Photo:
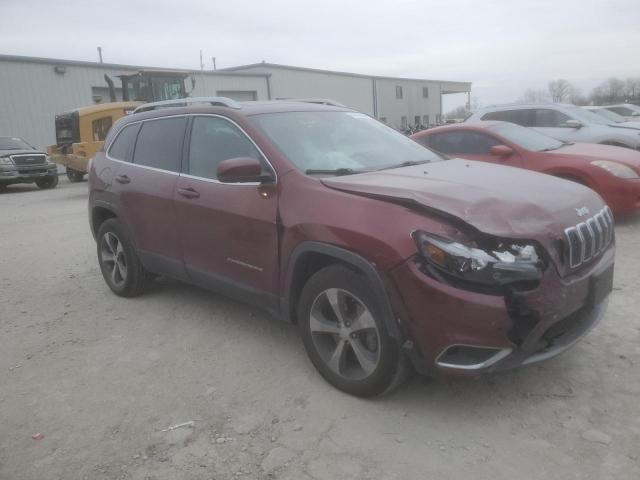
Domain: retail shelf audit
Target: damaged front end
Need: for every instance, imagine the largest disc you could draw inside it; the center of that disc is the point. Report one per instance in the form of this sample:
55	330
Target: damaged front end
496	303
484	268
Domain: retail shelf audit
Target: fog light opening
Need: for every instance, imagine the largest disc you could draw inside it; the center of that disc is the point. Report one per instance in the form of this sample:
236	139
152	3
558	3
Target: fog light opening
469	357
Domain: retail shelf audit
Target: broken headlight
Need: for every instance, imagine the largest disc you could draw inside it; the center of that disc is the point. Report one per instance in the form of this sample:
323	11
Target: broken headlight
508	263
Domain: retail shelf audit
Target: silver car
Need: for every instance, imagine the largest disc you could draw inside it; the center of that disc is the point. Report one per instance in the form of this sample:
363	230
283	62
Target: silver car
627	110
567	123
619	120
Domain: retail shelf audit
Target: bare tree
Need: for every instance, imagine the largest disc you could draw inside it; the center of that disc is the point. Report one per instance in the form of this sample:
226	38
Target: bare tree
457	113
632	89
576	97
611	90
560	90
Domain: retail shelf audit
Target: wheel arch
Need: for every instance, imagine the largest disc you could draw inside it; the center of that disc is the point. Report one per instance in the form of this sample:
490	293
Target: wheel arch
99	214
310	257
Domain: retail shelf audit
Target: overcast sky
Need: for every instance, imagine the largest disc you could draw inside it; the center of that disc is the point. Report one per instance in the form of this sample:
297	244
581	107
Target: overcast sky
502	46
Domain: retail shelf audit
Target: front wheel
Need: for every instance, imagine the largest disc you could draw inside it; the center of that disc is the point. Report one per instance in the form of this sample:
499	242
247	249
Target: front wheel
74	176
48	182
344	334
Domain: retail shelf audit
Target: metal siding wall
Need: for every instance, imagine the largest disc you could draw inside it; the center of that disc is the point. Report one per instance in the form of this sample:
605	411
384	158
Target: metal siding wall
412	102
31	94
355	92
208	85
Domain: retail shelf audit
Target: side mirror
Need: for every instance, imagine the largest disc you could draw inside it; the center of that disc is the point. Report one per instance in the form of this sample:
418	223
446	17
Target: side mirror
501	150
572	124
242	170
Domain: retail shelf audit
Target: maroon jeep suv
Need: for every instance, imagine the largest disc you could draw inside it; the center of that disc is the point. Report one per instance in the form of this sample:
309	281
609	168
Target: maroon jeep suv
384	253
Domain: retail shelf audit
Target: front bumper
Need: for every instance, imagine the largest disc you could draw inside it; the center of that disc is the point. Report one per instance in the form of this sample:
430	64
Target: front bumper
22	174
454	331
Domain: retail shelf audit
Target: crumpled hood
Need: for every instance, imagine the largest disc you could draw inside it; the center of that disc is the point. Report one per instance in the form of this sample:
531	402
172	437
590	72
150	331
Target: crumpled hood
498	200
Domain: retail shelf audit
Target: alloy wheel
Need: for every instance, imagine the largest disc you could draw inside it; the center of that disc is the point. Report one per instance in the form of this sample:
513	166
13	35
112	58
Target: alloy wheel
113	259
345	334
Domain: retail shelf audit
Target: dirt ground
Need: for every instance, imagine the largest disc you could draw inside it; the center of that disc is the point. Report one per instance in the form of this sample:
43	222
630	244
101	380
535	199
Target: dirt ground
101	378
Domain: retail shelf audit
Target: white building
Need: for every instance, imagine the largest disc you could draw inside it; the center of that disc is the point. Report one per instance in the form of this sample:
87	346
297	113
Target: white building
33	90
399	102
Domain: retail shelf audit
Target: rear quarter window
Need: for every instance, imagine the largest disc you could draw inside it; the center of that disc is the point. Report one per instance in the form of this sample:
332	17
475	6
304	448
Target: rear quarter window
122	147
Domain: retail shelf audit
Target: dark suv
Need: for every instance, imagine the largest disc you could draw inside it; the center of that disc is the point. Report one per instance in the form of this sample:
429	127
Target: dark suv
379	249
22	163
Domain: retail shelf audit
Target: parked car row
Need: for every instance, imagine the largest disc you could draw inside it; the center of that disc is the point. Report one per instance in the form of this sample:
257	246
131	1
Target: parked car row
563	122
613	172
384	252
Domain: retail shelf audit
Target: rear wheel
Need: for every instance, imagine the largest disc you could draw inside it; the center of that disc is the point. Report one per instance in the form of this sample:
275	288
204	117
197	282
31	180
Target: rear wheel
121	268
74	176
344	334
48	182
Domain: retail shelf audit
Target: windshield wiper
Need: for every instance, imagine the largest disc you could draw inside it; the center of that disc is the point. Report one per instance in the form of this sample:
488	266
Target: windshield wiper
335	171
408	163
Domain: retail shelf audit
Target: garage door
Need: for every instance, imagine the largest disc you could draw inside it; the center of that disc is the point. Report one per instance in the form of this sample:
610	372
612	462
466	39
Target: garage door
239	95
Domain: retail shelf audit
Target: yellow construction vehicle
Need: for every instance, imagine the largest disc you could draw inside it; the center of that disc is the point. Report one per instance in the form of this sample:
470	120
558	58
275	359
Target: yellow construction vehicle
80	133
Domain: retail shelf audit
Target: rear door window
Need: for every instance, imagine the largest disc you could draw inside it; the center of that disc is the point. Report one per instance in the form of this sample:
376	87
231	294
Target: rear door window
160	143
521	116
545	117
471	143
446	142
122	147
213	140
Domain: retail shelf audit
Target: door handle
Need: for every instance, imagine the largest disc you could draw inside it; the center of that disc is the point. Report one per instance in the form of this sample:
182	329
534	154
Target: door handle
123	179
188	192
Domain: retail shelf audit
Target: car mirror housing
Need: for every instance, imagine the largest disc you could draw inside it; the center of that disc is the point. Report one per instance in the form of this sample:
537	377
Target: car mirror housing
242	170
501	150
572	124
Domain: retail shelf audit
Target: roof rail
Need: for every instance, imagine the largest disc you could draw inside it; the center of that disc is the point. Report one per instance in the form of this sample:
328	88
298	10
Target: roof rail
183	102
321	101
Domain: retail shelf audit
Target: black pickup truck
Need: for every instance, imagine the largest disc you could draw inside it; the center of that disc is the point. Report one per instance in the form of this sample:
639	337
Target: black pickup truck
22	163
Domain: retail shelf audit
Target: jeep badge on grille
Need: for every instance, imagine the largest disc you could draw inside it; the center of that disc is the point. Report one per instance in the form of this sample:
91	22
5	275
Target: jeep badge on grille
582	211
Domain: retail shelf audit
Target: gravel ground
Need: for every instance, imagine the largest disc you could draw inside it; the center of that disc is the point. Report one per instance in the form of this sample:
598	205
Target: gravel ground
101	378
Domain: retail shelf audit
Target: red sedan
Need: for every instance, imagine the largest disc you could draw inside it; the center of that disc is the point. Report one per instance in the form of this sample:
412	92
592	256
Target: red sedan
613	172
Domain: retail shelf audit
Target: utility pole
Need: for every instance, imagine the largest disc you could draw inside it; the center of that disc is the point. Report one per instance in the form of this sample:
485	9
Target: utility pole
201	64
100	53
213	59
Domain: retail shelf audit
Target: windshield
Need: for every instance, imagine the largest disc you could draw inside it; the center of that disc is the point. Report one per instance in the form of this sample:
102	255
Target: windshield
526	137
13	143
586	116
331	141
612	117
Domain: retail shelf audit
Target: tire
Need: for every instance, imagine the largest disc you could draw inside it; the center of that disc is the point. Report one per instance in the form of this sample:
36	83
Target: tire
48	182
74	176
119	263
354	354
3	187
